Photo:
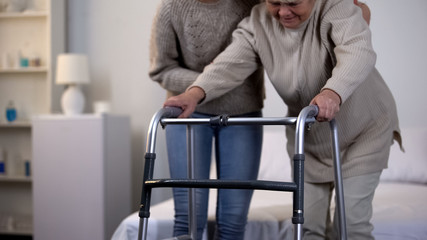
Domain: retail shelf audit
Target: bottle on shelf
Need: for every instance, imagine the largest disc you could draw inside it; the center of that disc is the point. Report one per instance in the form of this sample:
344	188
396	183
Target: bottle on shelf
2	162
27	166
24	62
6	61
34	61
11	114
17	60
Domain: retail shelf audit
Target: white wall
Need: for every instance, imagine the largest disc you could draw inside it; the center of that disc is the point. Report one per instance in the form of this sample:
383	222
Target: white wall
115	35
399	36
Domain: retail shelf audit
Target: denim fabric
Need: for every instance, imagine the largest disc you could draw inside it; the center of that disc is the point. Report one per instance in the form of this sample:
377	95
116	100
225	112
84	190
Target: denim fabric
237	154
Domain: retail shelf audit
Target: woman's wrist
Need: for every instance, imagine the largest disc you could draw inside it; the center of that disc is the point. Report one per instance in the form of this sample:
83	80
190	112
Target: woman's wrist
196	93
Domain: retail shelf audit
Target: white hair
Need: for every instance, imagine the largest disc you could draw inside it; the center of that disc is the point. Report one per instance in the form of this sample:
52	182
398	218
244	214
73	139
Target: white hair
287	1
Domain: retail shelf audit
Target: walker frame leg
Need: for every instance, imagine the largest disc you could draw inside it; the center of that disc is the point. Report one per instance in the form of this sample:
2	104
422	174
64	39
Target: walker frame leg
192	219
339	189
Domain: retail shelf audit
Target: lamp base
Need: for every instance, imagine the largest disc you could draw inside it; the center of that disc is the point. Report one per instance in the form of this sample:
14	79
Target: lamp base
72	101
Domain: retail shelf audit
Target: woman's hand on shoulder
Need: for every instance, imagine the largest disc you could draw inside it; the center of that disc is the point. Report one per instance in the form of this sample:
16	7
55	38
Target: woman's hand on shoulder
366	12
328	102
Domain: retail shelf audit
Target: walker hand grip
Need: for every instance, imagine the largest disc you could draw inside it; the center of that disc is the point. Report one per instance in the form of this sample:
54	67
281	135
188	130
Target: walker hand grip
171	112
313	111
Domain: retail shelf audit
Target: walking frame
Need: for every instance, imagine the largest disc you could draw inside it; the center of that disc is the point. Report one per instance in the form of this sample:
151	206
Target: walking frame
306	118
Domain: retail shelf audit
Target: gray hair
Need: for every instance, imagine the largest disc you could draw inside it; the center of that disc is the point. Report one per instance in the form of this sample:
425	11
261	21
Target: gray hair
286	1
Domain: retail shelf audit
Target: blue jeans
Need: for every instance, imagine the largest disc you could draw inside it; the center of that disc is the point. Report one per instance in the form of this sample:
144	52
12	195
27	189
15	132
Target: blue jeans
237	151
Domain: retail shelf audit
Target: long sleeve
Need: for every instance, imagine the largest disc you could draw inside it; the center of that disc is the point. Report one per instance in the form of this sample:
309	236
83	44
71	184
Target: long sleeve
165	66
353	52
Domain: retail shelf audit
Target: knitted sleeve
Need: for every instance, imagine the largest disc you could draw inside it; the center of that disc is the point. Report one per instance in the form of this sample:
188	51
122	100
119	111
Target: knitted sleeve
343	26
164	56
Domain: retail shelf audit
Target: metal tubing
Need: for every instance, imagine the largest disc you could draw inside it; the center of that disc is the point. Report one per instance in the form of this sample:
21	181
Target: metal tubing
238	121
224	184
306	116
192	226
339	189
306	113
143	226
298	234
149	167
299	158
152	130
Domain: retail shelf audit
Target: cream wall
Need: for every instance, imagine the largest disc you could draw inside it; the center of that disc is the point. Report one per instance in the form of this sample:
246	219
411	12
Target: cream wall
115	35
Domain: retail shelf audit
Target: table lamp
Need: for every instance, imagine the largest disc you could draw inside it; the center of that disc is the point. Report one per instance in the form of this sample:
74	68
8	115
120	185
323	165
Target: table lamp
72	70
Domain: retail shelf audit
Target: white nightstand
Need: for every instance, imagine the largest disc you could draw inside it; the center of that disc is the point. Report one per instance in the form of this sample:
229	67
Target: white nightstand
81	175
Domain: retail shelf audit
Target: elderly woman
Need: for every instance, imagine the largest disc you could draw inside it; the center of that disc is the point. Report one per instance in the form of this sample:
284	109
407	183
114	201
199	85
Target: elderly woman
316	52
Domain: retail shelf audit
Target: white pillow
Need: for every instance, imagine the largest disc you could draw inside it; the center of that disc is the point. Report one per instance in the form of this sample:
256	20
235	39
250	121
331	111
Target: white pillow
275	164
408	166
411	165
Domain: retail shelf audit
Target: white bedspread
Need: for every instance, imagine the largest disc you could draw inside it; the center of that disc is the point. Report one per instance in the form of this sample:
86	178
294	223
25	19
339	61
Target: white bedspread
400	213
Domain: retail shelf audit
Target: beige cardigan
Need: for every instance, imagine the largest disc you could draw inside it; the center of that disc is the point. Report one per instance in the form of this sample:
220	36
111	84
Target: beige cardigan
332	49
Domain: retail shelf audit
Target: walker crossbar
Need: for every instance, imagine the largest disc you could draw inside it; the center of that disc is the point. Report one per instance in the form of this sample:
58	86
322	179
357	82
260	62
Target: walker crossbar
167	116
236	121
224	184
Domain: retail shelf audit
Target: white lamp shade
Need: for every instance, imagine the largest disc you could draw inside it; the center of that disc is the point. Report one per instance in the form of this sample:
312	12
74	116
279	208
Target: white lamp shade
72	69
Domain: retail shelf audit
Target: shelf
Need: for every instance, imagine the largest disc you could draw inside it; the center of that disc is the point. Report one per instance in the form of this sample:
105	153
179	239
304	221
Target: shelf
24	70
11	224
15	124
16	179
16	232
28	14
38	33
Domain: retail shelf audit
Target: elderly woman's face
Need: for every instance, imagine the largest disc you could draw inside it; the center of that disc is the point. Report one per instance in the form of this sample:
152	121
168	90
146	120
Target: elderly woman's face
290	13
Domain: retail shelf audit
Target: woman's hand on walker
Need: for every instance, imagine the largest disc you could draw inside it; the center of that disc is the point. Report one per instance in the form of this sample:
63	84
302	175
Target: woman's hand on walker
187	101
328	102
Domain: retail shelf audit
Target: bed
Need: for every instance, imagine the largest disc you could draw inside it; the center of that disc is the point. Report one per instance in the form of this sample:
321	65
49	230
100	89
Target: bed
400	202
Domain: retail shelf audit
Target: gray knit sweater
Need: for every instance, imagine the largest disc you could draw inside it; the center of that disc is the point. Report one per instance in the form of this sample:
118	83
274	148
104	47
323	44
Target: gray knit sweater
186	36
332	49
